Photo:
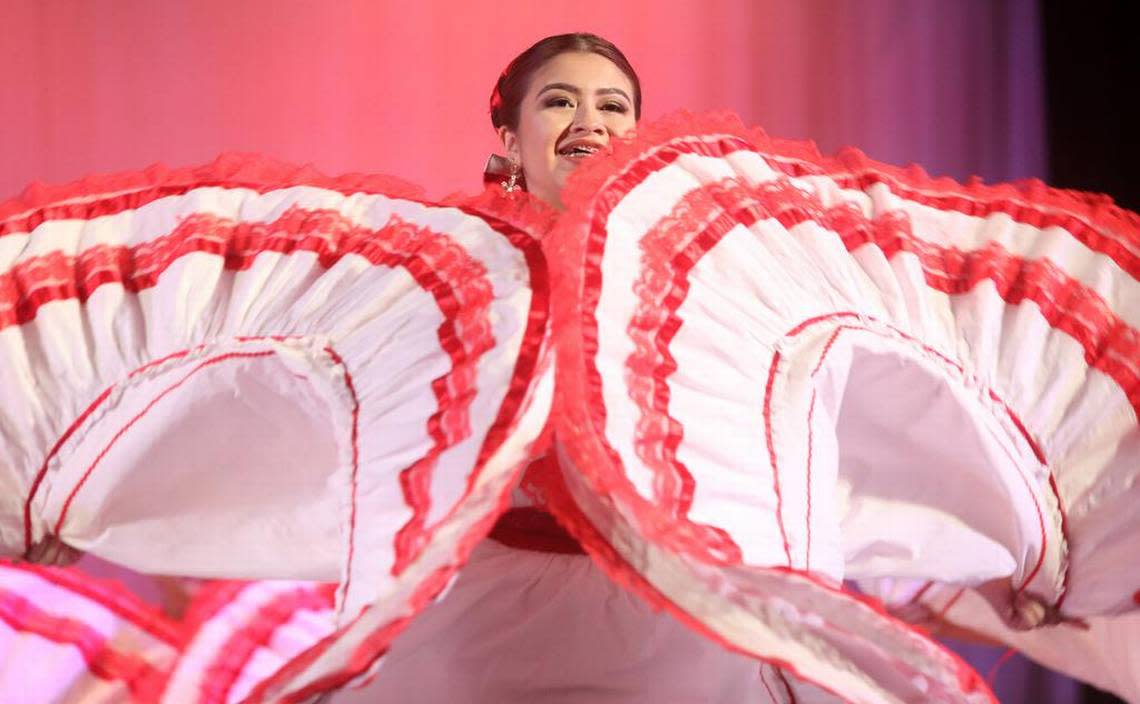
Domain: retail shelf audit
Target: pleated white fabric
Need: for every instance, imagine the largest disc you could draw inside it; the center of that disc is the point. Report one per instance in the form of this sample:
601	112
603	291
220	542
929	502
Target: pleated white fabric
780	370
249	370
529	626
775	371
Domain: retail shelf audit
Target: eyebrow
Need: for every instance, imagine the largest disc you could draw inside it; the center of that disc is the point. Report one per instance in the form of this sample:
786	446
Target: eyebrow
574	89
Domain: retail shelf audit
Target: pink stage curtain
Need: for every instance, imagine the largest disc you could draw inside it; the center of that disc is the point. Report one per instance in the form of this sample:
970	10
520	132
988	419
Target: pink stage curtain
401	87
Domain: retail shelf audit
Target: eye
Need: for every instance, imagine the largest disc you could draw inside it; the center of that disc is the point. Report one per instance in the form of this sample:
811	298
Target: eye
615	107
559	101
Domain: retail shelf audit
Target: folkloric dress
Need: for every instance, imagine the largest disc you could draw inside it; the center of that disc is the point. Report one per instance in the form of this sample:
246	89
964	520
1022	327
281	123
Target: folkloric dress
787	399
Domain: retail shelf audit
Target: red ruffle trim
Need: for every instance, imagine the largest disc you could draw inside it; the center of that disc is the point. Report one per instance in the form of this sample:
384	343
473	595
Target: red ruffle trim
519	217
142	679
40	202
518	209
1028	200
547	479
112	596
598	189
87	197
232	658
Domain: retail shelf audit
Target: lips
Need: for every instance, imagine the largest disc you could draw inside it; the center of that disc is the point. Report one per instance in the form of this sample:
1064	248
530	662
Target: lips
580	149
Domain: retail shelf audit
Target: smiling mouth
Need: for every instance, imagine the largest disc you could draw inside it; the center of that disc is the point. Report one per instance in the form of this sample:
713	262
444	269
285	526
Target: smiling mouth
578	151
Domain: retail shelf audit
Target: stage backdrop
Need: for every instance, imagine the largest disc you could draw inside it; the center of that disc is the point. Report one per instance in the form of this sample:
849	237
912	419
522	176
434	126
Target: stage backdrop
402	86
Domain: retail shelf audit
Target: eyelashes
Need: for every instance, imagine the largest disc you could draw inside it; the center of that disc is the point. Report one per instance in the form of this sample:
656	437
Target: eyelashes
610	106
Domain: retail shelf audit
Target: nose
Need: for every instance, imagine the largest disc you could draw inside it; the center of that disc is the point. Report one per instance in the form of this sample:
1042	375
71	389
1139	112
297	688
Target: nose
587	119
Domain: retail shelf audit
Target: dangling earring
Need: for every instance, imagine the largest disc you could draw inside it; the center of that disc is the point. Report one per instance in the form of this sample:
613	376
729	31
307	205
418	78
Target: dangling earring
499	166
512	182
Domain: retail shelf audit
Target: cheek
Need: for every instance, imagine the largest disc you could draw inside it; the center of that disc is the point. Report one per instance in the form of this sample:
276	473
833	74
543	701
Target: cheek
534	158
538	147
623	125
542	142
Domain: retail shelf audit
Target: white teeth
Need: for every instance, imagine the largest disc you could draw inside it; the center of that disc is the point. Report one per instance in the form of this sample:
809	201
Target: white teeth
578	150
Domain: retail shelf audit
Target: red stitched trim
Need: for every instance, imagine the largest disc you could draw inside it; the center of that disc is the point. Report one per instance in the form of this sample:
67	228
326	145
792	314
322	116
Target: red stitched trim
565	509
209	362
944	267
1069	306
917	596
811	411
146	409
582	421
375	644
991	676
808	493
496	209
996	398
42	472
330	235
355	439
768	439
234	655
768	689
1065	533
112	596
1040	454
950	603
120	192
787	687
143	679
826	350
336	358
75	425
102	195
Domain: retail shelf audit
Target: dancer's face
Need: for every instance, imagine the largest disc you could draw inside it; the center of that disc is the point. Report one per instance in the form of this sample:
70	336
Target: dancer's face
575	104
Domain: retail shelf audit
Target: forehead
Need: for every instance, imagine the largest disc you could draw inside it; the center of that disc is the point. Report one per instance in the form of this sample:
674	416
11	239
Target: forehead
584	70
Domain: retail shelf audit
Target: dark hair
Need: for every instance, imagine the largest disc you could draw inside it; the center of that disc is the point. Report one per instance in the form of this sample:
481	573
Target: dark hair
512	85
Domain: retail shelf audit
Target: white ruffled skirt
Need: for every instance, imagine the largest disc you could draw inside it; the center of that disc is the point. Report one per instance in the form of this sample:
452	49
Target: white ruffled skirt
771	372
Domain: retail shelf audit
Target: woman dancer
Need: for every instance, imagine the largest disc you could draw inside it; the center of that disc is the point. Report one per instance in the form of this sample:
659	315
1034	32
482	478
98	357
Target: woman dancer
531	618
705	208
